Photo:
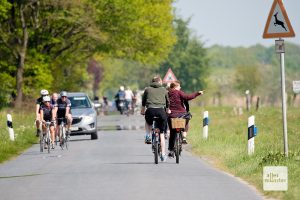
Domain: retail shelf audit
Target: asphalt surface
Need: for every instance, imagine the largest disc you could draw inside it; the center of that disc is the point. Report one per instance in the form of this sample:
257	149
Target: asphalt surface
116	166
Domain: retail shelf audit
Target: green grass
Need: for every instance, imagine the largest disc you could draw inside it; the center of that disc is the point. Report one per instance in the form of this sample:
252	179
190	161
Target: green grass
23	125
226	145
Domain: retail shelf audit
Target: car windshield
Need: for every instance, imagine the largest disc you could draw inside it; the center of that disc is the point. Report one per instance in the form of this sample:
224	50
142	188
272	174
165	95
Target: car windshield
80	102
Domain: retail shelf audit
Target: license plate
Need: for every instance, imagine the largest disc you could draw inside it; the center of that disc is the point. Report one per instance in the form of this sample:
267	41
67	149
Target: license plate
74	128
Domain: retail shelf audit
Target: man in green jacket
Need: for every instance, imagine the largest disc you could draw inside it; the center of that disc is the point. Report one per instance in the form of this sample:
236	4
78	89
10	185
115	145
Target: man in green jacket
155	103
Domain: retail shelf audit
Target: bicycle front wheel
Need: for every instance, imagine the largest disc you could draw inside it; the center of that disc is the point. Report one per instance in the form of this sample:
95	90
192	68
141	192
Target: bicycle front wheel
48	141
41	142
62	133
66	141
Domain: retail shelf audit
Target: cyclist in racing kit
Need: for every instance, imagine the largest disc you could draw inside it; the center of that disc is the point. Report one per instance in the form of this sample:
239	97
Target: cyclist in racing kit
38	104
48	115
63	110
156	100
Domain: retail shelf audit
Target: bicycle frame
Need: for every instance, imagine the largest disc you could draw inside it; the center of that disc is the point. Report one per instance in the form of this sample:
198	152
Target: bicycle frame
47	137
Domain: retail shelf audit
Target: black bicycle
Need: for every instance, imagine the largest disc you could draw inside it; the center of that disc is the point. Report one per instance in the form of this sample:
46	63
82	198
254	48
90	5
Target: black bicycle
178	124
156	147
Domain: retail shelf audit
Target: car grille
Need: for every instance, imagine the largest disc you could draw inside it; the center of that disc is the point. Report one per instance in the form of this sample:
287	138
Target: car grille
76	120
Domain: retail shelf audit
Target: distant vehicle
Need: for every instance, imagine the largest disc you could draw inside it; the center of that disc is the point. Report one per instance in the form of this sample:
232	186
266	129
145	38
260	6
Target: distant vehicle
84	115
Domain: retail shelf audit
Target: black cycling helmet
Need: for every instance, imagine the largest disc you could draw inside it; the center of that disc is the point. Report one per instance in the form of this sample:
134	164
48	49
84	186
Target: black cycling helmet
63	94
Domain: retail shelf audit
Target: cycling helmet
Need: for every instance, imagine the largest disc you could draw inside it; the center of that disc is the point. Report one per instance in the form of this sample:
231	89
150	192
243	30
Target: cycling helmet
63	94
44	92
122	88
46	98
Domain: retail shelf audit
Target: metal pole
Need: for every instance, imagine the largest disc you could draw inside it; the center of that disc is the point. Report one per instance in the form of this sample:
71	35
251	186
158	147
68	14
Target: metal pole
284	105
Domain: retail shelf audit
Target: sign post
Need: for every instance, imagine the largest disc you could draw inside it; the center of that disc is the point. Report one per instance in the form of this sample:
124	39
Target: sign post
278	25
283	103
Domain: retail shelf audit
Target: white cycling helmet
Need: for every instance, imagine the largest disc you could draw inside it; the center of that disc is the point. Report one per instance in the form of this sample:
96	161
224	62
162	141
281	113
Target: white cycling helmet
44	92
46	98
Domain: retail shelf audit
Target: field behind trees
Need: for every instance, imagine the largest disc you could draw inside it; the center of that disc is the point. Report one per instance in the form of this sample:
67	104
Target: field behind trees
232	71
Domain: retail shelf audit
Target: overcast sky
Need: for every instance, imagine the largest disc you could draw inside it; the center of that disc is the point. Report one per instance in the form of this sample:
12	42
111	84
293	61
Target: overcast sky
235	22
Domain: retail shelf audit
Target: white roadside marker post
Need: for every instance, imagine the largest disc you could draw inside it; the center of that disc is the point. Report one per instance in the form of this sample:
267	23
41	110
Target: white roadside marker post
252	132
10	128
205	124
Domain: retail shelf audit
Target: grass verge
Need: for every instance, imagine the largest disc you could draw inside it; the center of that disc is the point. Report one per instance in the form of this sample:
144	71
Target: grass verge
226	145
23	126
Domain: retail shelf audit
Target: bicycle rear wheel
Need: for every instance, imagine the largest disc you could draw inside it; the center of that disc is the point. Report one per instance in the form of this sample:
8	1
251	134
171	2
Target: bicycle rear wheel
177	147
156	152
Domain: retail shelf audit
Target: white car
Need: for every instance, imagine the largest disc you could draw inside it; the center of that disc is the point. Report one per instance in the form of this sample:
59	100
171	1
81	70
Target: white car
84	115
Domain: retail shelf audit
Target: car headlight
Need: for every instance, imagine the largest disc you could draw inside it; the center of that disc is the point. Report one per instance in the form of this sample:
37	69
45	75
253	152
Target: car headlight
88	118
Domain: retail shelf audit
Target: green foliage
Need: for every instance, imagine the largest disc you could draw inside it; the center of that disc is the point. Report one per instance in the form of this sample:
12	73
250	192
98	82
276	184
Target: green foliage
63	35
6	88
277	158
138	30
188	59
247	78
123	72
37	74
4	7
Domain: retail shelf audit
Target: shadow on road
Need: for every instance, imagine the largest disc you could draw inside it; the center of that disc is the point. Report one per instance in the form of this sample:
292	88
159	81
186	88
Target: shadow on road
140	163
79	140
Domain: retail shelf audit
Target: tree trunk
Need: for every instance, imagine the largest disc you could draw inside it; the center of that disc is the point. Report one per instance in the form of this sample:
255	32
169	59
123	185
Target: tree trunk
21	60
257	103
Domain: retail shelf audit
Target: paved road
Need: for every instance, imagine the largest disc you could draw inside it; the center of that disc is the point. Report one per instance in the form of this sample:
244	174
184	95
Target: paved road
117	166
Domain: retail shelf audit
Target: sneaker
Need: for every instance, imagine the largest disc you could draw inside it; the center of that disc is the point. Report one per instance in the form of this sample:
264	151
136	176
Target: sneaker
163	158
184	141
171	154
147	139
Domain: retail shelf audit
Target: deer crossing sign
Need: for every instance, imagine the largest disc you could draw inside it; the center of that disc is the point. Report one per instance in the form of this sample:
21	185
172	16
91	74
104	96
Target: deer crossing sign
278	24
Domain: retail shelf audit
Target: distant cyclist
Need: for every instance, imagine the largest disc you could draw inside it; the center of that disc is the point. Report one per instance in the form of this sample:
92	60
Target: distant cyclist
156	100
128	98
54	98
120	99
63	110
38	104
48	115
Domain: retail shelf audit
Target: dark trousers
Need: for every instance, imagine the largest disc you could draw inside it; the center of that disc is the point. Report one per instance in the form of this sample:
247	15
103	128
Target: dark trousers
162	118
